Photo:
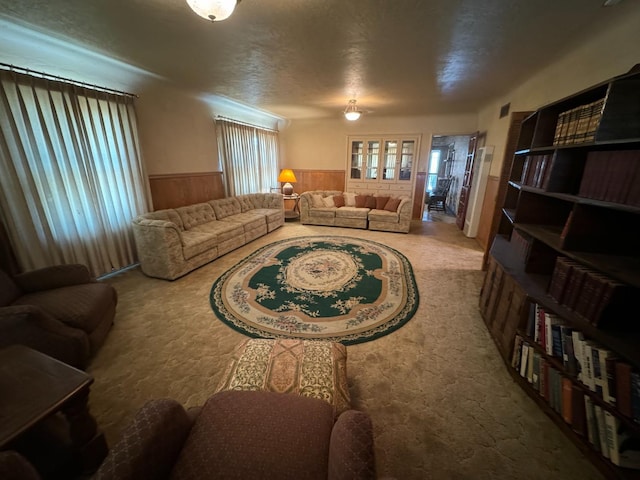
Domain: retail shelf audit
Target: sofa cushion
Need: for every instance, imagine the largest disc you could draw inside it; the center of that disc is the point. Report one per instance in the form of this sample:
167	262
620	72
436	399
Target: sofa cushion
381	202
245	203
352	212
195	242
225	207
361	201
349	199
196	214
249	221
370	202
324	212
384	216
338	200
80	306
221	230
256	435
392	205
317	200
328	201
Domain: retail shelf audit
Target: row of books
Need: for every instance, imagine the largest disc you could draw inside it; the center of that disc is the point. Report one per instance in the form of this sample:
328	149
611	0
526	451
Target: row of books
612	177
536	170
579	124
611	378
586	291
605	431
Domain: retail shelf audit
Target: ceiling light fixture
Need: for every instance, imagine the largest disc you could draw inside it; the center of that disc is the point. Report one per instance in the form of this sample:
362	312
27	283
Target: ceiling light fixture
214	10
351	112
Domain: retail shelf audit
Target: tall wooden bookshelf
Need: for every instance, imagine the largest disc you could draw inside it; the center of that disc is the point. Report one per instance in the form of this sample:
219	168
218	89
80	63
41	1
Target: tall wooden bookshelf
568	245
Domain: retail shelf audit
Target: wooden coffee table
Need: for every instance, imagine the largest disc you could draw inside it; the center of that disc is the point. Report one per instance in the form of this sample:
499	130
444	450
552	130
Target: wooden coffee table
35	387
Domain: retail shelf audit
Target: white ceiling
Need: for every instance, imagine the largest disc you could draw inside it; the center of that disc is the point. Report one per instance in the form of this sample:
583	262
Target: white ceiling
306	58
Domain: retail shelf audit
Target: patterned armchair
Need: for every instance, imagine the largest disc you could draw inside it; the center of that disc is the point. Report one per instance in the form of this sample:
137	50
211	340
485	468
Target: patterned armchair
60	311
243	434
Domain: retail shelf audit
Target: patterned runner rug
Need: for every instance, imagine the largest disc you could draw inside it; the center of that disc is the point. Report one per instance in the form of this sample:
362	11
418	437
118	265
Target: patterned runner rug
341	289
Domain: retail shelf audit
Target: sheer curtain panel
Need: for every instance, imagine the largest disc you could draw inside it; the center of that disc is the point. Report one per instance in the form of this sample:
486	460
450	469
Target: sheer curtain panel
249	156
72	175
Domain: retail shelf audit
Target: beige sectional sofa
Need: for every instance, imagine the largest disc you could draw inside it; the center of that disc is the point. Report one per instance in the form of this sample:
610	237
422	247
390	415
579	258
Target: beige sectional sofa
173	242
375	211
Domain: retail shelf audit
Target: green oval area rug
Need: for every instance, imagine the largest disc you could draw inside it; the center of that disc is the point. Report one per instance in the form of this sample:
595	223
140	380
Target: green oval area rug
341	289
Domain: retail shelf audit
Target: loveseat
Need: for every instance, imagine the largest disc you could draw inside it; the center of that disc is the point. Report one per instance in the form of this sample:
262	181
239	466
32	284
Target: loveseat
373	211
173	242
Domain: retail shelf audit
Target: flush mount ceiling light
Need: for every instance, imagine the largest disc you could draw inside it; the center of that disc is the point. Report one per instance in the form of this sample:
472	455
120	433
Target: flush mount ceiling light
214	10
351	112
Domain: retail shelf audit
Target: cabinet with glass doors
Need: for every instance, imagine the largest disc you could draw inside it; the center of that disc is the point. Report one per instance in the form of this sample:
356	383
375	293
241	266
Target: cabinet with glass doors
384	163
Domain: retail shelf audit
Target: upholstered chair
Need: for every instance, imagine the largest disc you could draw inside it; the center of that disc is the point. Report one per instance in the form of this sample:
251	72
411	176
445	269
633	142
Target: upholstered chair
243	435
61	311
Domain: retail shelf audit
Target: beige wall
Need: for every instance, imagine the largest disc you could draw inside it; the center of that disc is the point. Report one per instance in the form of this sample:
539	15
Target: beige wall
610	52
322	144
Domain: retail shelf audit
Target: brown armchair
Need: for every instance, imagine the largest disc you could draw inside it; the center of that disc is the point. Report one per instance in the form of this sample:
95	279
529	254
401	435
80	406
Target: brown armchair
61	311
243	434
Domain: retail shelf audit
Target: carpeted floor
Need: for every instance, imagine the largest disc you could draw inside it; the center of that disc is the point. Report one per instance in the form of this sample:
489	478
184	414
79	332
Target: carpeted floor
442	403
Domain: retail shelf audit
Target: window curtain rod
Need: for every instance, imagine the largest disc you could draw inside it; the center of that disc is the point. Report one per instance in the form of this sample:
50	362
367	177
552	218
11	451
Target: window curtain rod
226	119
48	76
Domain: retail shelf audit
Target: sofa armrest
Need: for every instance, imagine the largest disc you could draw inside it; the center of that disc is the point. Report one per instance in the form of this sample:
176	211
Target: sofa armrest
149	445
159	247
351	454
31	326
53	277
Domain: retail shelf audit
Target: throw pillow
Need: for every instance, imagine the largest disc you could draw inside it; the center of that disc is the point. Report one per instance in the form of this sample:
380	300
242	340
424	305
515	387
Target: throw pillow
392	204
370	202
317	200
361	200
349	199
338	201
328	202
381	202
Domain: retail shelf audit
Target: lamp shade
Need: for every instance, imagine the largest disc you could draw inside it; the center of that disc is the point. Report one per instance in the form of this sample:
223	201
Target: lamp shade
214	10
287	175
351	112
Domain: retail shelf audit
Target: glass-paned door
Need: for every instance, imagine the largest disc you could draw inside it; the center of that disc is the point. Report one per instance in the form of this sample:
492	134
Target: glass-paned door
434	168
357	157
373	159
406	159
390	159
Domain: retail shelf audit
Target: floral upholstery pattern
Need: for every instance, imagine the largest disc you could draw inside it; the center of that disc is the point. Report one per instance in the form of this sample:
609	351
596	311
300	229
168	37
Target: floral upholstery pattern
172	242
315	369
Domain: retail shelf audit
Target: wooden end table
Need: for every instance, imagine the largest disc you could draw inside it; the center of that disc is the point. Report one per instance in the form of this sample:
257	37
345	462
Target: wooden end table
34	387
294	213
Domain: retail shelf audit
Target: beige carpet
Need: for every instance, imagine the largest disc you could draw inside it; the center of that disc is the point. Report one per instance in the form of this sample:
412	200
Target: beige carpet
442	403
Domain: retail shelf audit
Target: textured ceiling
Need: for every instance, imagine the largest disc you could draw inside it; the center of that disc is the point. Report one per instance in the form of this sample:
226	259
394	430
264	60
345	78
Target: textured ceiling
306	58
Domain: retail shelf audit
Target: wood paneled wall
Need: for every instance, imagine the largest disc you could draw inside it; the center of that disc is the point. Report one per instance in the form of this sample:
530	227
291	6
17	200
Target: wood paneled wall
180	189
318	180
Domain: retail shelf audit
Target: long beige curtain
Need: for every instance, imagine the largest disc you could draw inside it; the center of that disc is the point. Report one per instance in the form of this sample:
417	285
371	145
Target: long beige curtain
72	175
249	157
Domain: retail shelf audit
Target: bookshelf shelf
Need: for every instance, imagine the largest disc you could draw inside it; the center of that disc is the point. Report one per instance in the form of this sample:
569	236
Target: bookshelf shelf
568	243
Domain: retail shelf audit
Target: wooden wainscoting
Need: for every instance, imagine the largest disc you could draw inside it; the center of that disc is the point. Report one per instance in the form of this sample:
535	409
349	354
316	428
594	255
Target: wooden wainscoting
180	189
318	180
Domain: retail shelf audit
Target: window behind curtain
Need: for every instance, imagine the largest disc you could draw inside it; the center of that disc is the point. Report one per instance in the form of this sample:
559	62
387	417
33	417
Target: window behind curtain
249	156
72	176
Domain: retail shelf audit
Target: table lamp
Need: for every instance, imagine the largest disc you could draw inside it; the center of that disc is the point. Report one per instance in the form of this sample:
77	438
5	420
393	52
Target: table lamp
287	176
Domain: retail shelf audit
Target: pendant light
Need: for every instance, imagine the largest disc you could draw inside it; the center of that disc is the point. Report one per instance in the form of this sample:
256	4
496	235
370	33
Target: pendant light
214	10
352	113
